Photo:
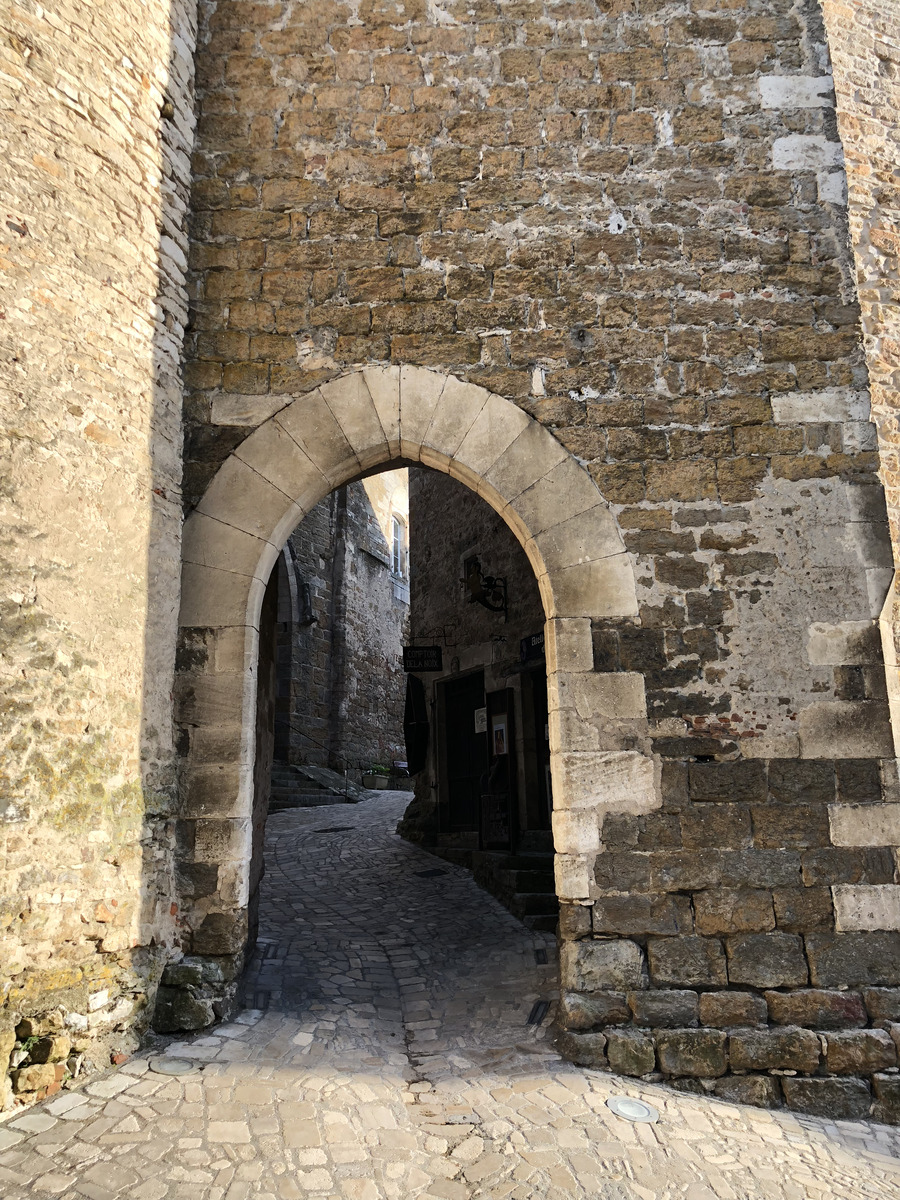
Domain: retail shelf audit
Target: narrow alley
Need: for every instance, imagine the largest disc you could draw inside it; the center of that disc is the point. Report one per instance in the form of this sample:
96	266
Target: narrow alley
396	1043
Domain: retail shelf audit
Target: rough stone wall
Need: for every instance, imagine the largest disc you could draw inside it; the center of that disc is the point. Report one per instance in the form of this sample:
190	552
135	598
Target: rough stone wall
97	122
450	523
309	666
864	38
347	680
632	223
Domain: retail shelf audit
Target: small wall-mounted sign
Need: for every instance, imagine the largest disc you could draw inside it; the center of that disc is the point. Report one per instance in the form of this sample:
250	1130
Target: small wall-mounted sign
481	720
532	647
422	658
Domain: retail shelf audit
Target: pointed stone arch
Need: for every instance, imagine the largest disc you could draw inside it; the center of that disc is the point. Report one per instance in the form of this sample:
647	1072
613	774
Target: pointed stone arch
318	442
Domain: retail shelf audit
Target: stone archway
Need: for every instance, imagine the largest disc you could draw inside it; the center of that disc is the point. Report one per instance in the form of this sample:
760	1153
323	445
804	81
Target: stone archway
232	539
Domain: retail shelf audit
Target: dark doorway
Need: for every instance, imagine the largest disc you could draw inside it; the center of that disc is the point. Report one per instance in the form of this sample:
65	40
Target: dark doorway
464	752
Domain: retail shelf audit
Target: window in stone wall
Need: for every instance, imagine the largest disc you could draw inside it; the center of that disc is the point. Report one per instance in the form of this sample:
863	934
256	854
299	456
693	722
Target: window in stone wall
399	554
400	559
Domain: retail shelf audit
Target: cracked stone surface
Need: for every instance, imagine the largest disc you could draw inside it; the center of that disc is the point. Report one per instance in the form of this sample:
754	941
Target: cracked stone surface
385	1052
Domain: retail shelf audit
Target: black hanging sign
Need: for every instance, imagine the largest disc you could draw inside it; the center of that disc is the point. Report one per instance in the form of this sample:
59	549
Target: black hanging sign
422	658
531	648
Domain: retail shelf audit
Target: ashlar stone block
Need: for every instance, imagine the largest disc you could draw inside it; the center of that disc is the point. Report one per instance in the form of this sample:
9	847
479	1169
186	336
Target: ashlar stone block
454	414
607	781
796	91
864	824
222	840
579	1010
882	1004
684	962
601	588
859	906
354	410
774	1049
211	543
760	1091
854	959
859	1051
235	408
887	1102
767	960
510	449
584	538
576	831
698	1053
584	1049
664	1008
609	965
844	643
805	152
837	1099
816	1008
384	388
730	1009
215	790
211	598
630	1052
845	729
272	453
568	645
616	695
826	406
420	392
241	497
564	492
312	425
734	910
572	876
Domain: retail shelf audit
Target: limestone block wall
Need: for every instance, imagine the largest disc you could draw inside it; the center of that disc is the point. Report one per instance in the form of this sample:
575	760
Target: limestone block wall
97	124
633	225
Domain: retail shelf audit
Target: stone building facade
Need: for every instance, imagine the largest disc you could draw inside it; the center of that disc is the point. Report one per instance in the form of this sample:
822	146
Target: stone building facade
340	682
601	264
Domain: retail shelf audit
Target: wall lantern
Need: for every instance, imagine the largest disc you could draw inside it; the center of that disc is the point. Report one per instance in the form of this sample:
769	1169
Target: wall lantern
487	590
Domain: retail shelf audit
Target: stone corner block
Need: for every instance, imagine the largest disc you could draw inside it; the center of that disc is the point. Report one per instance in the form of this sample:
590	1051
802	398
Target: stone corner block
846	729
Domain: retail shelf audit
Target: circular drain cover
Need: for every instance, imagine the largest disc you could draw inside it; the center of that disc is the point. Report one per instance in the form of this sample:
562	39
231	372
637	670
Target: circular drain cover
632	1110
171	1066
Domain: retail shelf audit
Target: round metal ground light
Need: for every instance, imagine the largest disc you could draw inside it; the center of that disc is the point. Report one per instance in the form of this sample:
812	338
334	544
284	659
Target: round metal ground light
633	1110
171	1066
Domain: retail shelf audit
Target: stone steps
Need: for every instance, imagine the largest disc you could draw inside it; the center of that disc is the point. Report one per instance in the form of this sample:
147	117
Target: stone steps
523	882
308	787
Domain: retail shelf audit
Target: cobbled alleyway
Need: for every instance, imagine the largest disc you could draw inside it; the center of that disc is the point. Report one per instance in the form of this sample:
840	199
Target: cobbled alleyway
385	1051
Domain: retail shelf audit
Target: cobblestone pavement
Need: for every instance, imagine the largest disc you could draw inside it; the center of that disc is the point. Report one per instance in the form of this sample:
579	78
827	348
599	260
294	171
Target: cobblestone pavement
386	1052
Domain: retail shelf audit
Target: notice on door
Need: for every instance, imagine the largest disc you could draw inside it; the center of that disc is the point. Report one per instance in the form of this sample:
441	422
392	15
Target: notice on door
481	720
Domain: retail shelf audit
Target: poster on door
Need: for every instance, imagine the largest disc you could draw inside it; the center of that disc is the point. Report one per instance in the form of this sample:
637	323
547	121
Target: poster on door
499	745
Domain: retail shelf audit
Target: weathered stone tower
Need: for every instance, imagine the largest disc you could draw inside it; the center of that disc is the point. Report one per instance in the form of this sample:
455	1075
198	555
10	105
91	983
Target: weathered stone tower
593	259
